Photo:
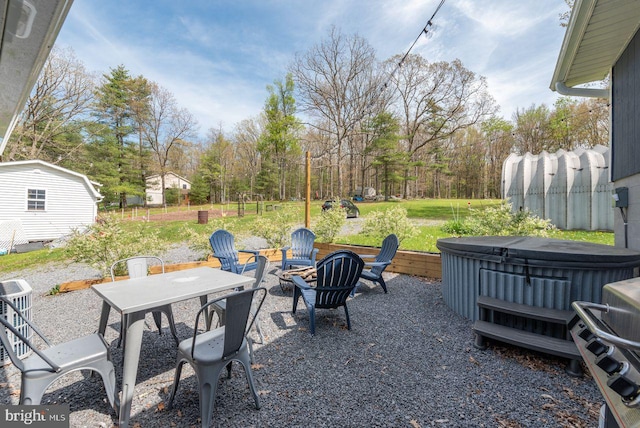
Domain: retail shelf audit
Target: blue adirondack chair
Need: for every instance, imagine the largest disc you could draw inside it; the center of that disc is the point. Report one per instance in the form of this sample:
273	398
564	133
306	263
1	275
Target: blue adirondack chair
337	275
383	259
302	251
225	251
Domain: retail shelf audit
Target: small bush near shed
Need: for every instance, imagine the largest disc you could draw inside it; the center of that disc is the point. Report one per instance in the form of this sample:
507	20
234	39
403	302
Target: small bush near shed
380	224
276	229
330	223
499	221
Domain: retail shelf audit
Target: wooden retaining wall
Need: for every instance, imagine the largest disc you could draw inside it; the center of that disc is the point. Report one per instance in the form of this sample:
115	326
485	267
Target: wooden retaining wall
405	262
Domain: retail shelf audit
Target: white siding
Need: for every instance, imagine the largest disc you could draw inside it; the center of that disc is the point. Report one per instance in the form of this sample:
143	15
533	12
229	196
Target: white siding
154	186
70	203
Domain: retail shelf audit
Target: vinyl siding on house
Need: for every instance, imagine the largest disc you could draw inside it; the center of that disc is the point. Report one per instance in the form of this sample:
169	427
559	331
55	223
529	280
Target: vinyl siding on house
154	186
70	199
625	124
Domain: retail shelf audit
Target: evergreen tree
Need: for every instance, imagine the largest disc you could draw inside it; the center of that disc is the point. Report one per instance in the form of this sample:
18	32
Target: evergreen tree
279	143
114	100
387	154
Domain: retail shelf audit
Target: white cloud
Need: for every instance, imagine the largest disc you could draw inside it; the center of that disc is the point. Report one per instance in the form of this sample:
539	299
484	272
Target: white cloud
217	60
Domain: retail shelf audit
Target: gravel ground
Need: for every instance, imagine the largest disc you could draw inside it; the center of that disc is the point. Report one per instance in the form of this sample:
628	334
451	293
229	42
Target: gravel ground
408	361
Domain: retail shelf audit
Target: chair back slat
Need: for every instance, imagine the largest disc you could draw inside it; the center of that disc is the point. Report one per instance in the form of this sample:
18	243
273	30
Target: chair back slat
224	248
387	253
302	241
239	317
337	275
137	266
261	270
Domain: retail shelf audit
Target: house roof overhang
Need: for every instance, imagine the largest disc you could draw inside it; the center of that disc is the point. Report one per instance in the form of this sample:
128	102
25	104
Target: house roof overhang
28	29
35	163
597	34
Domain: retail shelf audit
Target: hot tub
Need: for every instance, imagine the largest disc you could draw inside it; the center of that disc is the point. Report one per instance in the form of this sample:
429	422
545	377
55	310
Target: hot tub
542	272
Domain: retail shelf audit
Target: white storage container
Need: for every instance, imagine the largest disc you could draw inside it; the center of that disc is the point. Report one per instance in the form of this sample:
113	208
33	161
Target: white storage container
571	189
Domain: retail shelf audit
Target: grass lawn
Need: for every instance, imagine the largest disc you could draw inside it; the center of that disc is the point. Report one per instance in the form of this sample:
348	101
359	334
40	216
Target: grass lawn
431	211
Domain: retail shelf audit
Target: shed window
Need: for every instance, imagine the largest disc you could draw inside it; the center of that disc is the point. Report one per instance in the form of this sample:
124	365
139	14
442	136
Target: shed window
35	199
184	186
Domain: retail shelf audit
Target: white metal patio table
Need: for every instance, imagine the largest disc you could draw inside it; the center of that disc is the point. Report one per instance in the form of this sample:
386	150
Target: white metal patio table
135	297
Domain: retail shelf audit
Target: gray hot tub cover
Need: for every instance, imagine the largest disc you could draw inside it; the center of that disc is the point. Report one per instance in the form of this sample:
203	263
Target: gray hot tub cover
535	251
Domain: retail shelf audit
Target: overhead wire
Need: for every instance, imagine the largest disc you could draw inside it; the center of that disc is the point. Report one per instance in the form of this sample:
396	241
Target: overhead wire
425	31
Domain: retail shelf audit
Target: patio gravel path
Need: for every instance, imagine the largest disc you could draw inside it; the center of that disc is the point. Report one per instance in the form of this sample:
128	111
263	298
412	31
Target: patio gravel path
408	361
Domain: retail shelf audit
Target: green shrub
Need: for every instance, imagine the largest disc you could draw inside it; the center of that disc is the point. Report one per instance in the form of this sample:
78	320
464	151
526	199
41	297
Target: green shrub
199	240
379	224
106	241
172	196
499	220
276	228
330	223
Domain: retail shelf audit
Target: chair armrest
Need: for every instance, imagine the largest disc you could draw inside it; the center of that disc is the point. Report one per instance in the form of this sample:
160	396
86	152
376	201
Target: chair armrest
380	264
254	252
367	256
285	249
299	282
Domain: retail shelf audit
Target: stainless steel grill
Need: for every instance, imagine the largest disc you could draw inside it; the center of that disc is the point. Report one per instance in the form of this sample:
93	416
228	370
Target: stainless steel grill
608	338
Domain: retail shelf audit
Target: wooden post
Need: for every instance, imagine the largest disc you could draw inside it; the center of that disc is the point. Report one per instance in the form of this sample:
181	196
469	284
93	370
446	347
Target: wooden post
307	199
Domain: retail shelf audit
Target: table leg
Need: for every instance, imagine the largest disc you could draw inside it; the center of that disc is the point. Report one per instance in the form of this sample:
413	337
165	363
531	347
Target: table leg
203	301
104	318
133	343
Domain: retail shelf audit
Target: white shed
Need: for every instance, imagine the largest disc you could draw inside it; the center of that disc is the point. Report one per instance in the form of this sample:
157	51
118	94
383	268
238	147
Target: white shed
45	200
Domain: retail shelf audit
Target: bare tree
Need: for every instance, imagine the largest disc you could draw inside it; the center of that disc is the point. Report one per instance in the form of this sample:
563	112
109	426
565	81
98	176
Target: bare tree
61	98
337	84
436	100
247	135
165	128
532	131
498	145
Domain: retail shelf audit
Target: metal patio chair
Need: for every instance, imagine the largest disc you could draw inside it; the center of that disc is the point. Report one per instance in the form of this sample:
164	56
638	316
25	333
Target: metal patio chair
383	259
222	244
337	275
209	352
42	367
220	307
302	251
138	267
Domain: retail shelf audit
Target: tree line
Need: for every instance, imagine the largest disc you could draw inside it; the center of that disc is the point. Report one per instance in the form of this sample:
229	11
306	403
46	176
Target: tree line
404	126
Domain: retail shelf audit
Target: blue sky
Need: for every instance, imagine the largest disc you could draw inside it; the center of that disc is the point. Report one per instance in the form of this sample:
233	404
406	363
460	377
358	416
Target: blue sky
218	56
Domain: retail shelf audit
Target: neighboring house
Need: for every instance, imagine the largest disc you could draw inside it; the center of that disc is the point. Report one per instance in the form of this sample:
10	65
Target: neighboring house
602	39
41	201
171	181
